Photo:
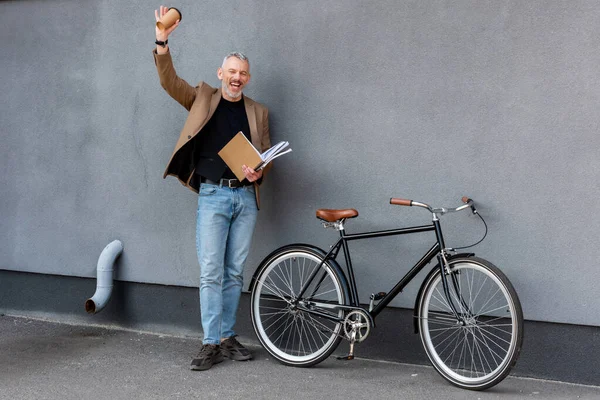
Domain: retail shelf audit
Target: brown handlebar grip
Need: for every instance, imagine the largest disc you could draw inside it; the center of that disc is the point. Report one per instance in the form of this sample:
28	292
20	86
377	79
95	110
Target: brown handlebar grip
465	199
400	202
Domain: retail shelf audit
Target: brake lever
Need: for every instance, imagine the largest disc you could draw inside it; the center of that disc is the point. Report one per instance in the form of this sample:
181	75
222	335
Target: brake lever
466	200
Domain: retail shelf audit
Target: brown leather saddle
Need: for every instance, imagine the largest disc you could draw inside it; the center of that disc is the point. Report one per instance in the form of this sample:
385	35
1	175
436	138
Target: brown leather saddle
336	215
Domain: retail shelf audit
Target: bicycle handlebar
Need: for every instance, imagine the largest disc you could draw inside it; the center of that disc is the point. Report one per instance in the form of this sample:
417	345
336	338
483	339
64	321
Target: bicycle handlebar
409	203
400	202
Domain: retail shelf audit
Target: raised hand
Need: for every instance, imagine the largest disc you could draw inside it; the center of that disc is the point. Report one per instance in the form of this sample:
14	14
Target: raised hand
163	35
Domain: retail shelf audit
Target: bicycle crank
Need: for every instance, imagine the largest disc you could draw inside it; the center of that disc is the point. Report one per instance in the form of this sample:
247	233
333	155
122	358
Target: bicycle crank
357	326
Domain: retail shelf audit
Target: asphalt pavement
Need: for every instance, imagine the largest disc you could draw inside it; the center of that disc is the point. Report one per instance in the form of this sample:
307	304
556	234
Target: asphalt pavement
42	359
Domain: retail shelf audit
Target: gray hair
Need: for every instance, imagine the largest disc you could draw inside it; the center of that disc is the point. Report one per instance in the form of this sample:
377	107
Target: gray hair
237	55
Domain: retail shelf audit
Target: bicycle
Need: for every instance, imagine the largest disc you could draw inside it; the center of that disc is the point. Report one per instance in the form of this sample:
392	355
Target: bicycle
467	312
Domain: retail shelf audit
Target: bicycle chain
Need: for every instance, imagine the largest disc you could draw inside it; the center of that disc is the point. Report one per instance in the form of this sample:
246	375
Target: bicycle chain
342	329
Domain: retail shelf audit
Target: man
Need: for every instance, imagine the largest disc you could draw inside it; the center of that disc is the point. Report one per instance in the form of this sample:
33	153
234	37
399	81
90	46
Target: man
227	208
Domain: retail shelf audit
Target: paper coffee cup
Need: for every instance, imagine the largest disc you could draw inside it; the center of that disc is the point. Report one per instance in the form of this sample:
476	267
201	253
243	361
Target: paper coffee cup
169	19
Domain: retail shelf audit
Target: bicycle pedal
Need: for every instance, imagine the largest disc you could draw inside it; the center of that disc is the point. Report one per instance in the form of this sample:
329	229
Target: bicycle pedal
375	297
378	296
347	357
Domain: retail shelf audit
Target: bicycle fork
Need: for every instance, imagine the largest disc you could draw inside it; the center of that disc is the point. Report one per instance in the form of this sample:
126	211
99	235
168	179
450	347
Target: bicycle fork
445	272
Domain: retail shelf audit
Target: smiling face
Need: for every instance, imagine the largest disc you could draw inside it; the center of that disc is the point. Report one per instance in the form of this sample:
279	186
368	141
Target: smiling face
234	75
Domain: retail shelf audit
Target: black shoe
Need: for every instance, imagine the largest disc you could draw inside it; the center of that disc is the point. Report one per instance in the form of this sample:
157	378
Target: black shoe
209	354
234	350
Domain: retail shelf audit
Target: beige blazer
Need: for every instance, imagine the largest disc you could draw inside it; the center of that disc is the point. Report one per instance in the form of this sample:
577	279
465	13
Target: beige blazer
201	102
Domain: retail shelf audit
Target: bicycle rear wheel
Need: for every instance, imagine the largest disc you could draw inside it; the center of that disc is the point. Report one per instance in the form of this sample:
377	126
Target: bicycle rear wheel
477	350
288	332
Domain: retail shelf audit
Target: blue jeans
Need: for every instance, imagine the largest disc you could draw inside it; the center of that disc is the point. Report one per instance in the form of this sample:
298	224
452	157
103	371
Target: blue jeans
224	227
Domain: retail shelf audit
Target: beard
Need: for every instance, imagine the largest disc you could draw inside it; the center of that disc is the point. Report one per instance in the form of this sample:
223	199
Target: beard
229	92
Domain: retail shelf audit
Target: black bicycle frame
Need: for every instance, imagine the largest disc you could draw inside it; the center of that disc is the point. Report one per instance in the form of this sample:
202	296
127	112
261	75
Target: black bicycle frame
343	244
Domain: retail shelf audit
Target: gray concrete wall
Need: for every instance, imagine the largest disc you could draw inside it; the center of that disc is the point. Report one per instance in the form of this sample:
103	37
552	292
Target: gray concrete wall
428	100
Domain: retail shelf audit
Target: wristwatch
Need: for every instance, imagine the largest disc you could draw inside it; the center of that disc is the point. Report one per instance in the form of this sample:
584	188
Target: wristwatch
162	44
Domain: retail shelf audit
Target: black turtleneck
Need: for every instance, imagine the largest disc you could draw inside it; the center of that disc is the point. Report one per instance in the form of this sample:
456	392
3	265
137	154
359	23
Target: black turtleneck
229	119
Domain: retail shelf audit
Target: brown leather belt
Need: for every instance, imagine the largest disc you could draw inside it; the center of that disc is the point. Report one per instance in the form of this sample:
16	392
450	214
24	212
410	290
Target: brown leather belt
230	183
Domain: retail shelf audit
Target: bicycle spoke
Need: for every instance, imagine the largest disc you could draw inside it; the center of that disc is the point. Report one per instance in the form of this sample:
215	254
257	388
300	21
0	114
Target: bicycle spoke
286	278
455	332
482	307
322	328
275	291
441	297
284	315
488	335
486	361
311	332
492	352
458	343
271	314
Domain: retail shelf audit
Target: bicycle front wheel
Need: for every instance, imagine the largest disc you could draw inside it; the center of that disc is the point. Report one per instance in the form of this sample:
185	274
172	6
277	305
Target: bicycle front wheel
286	330
477	349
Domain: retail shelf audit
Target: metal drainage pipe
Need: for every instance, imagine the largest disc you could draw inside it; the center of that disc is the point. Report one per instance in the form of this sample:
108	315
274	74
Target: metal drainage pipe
104	282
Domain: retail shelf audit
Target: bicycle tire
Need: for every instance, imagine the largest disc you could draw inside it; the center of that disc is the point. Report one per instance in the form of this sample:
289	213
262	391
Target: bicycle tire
292	336
481	352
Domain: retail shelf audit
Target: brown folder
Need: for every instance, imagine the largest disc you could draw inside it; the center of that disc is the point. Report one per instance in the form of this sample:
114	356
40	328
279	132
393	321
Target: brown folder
239	151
